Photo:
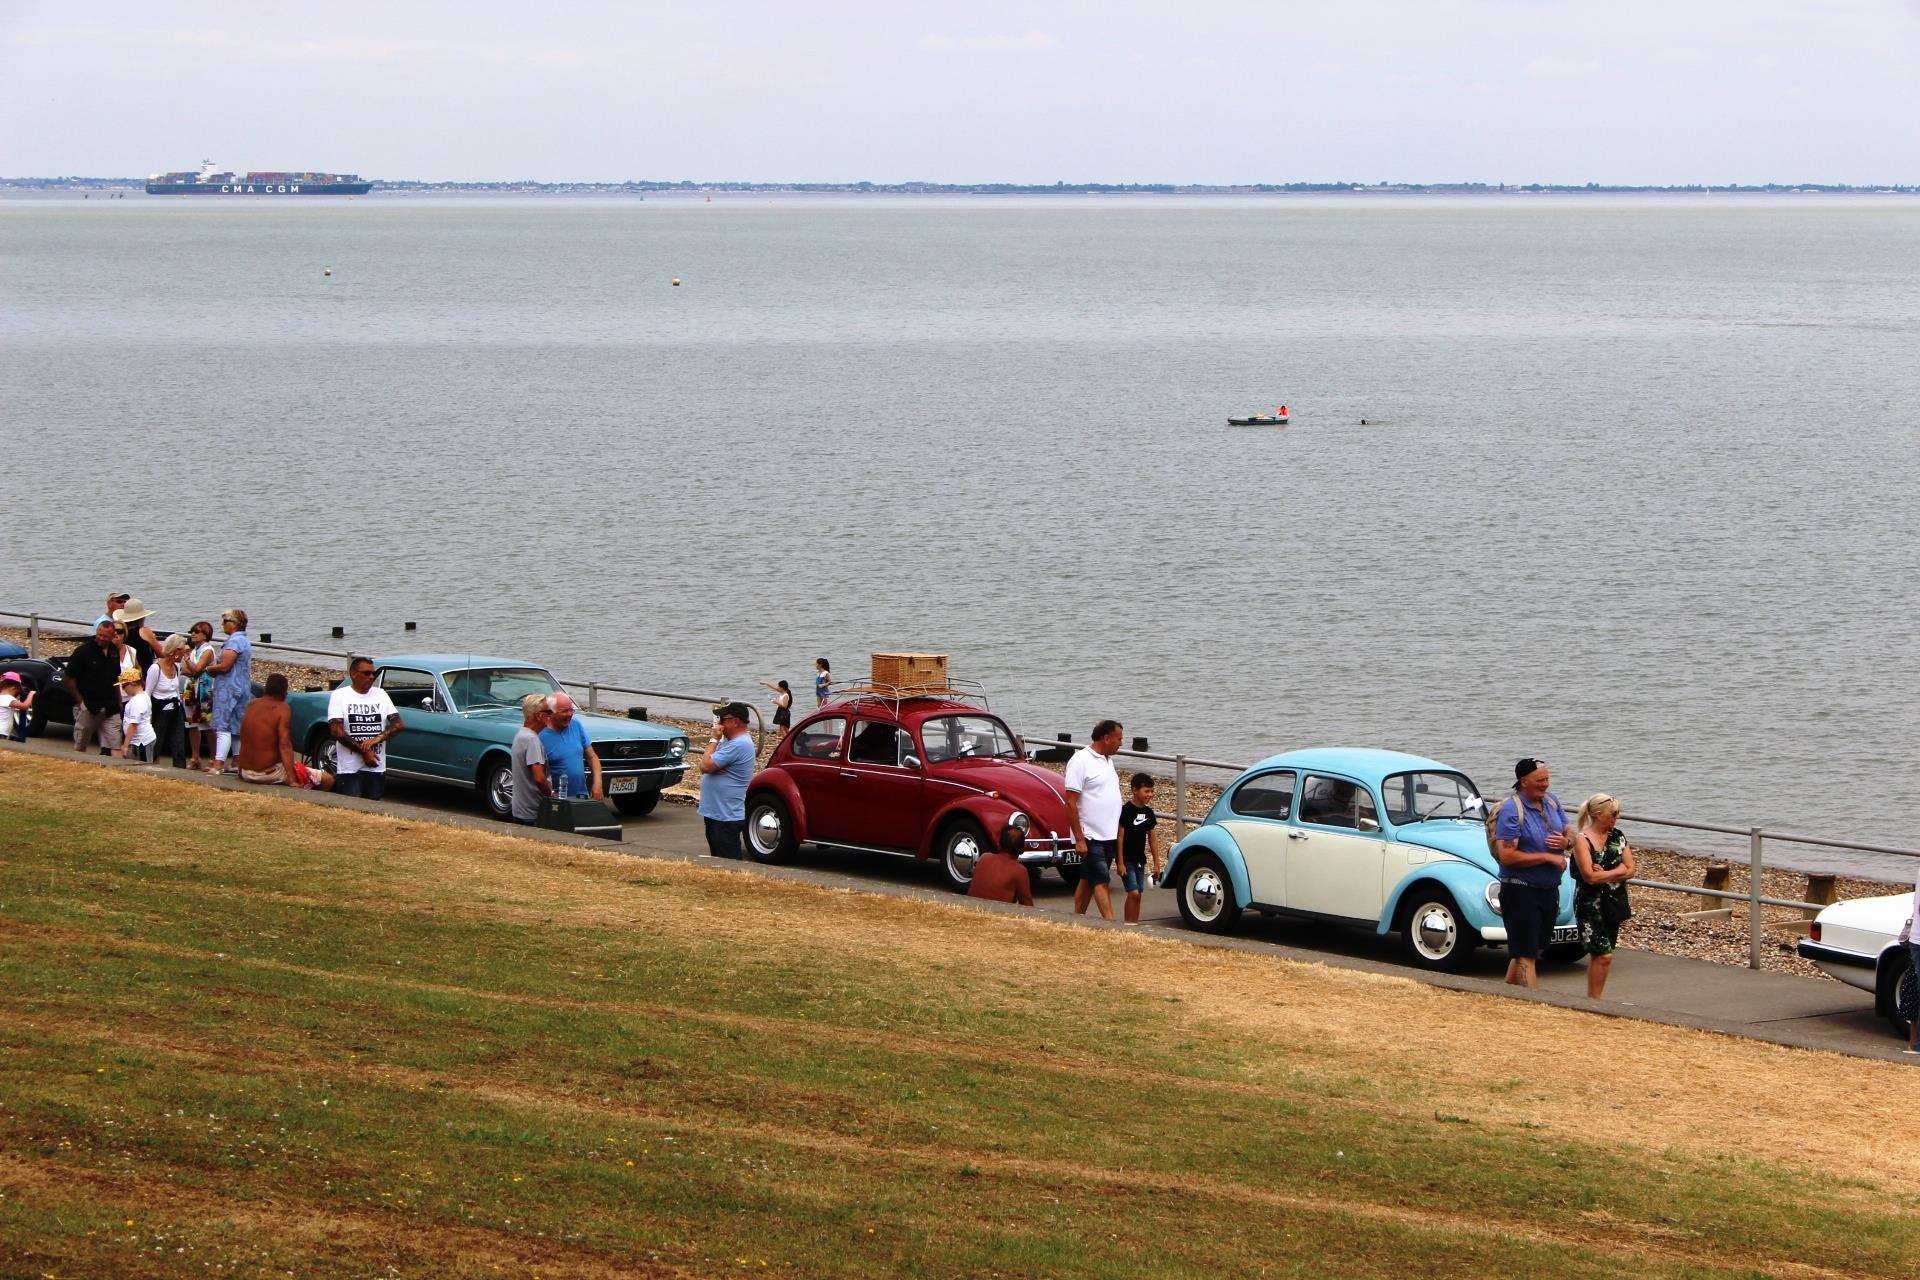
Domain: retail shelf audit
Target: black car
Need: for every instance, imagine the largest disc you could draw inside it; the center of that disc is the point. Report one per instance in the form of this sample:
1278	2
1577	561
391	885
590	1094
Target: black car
52	704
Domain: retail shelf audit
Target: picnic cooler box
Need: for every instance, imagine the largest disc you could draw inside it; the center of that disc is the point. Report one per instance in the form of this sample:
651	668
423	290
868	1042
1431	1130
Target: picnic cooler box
581	816
910	670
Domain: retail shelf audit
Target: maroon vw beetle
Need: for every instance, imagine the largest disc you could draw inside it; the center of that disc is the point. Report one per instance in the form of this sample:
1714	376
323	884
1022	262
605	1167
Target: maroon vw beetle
932	777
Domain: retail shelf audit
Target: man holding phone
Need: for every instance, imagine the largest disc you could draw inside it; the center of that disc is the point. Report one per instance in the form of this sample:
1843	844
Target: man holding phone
725	771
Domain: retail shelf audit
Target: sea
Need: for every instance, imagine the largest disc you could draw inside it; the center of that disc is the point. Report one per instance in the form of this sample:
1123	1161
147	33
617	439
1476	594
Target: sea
1624	484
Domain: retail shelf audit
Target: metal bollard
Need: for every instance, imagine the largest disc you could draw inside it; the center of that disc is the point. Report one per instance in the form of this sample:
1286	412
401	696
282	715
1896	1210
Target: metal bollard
1179	796
1753	898
33	635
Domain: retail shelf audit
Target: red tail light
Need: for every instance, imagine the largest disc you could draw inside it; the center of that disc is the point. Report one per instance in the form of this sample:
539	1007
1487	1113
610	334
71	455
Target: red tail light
1814	933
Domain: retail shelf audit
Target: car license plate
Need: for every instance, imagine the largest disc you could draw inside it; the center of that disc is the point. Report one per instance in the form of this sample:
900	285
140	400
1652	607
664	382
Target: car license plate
622	786
1565	933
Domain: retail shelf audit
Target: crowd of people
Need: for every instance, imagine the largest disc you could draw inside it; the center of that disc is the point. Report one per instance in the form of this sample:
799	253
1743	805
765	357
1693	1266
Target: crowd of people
139	695
136	694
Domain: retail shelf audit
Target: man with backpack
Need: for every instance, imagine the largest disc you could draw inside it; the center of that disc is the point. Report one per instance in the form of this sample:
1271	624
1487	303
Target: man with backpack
1530	842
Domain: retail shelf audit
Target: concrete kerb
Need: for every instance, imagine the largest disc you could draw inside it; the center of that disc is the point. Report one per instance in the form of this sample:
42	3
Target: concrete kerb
1465	983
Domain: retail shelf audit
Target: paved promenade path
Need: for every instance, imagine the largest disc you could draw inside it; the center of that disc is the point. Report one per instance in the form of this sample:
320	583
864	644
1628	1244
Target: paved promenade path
1812	1013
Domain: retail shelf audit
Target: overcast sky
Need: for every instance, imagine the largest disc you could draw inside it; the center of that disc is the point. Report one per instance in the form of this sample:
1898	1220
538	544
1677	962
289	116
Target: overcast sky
1199	90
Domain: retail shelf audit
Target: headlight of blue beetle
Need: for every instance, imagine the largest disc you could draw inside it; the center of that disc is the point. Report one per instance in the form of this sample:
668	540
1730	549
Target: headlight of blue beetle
1493	895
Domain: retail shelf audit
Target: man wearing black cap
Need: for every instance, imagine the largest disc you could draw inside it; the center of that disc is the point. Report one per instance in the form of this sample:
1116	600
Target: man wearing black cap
725	770
1530	841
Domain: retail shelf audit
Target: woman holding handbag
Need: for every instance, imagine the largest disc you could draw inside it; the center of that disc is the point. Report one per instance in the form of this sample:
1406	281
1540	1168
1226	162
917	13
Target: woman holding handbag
1602	865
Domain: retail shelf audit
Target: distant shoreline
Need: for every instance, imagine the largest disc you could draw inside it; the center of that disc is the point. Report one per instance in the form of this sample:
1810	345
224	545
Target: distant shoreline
689	187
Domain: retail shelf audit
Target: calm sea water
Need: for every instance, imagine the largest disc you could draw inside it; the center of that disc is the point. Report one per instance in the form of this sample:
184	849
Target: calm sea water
1635	496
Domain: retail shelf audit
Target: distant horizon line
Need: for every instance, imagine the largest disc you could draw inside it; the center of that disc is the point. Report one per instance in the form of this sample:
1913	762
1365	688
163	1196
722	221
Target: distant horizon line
924	187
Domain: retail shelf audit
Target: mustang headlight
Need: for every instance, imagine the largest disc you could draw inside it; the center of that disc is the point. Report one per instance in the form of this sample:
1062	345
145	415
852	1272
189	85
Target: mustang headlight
1493	895
679	748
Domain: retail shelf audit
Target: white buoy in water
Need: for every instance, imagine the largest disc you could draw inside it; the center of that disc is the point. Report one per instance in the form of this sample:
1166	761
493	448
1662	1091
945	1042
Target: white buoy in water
326	271
676	282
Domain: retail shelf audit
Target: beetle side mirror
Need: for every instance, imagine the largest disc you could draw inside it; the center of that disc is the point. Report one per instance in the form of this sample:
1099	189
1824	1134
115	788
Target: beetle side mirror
1369	824
910	761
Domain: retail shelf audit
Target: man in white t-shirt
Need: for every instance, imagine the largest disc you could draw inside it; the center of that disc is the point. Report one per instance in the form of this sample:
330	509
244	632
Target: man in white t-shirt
1093	810
361	719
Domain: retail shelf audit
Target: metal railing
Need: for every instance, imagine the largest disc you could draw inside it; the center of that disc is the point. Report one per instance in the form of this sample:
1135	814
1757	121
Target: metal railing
37	633
1756	838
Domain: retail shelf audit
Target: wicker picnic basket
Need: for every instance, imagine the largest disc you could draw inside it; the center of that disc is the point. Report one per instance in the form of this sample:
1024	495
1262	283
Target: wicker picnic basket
904	671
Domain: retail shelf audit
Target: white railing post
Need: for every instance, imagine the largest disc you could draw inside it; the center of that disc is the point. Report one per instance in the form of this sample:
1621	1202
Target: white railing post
593	695
1179	797
1753	898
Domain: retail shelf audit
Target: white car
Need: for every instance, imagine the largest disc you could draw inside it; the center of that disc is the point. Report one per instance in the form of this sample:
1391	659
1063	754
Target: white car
1858	942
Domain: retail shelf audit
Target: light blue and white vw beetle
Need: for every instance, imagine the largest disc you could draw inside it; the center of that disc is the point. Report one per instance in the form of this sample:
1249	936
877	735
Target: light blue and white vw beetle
1396	841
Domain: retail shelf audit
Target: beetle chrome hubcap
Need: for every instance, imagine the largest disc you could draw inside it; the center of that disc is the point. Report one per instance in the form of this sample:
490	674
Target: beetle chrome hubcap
1434	931
765	829
963	851
1205	894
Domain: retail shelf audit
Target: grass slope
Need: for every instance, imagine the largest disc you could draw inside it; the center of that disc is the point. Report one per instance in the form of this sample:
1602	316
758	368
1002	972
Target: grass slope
240	1035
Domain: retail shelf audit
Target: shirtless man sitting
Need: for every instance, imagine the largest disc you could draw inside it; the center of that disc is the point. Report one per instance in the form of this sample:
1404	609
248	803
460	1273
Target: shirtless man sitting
266	743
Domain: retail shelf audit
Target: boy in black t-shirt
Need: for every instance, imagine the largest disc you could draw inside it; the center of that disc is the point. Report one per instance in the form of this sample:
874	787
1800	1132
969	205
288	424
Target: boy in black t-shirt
1140	857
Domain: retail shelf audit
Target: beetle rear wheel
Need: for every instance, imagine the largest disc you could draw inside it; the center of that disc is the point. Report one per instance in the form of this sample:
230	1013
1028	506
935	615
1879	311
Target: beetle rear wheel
1206	896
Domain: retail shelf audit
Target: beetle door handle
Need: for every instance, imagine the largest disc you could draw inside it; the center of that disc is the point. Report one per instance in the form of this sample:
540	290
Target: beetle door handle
1296	835
848	773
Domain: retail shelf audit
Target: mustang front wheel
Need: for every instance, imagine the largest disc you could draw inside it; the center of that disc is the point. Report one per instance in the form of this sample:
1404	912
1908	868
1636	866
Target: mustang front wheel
637	804
1206	896
1433	933
769	828
496	789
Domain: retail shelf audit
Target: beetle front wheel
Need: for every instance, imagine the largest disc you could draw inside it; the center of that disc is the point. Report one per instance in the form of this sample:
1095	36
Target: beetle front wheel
1433	933
1206	896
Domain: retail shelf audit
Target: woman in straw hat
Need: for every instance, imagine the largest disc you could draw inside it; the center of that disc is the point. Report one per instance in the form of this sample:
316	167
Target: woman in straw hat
133	616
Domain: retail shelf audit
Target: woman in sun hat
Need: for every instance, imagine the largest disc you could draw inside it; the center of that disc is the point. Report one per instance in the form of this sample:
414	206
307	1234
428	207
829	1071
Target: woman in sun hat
140	638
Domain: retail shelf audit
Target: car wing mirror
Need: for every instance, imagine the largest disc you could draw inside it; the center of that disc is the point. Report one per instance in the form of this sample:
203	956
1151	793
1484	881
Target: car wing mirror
1369	824
911	761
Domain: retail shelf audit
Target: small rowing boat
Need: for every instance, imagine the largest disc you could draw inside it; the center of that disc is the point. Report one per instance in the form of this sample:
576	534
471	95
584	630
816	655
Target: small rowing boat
1259	420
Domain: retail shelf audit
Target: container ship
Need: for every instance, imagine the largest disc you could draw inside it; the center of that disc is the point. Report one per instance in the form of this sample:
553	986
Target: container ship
215	181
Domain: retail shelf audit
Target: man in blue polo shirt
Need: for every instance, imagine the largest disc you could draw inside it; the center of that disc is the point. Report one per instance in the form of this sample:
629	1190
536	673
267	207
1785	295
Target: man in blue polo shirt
1530	840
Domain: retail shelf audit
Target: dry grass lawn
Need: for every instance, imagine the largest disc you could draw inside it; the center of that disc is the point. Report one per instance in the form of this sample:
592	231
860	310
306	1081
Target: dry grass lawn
242	1035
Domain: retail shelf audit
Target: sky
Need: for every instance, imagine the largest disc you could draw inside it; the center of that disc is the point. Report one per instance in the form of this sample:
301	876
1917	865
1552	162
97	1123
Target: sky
1217	91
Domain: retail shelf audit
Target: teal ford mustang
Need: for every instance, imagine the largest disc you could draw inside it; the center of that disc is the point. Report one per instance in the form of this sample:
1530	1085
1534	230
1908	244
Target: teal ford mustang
461	713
